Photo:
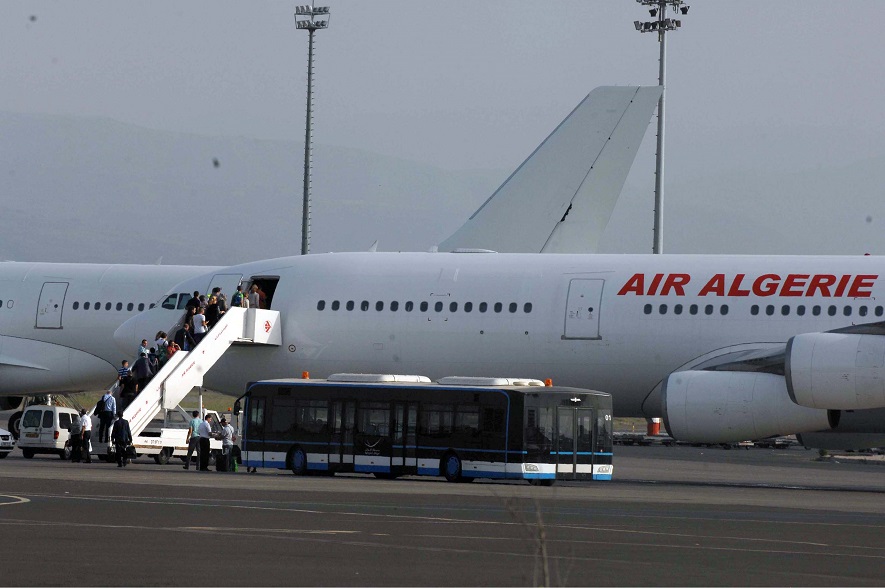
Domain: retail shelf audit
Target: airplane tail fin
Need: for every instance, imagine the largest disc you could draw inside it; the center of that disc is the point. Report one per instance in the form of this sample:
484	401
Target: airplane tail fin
561	198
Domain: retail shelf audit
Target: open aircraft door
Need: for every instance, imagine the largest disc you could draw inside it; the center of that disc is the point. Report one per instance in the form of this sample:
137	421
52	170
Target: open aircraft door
51	305
582	309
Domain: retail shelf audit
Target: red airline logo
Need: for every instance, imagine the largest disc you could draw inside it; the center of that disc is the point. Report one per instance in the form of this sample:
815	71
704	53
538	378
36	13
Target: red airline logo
825	285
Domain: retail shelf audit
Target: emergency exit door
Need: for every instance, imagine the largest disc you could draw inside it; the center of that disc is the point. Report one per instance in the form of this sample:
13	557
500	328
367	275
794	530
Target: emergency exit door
582	309
51	305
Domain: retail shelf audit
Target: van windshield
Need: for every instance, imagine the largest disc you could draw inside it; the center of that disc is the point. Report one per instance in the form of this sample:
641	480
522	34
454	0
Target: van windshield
32	418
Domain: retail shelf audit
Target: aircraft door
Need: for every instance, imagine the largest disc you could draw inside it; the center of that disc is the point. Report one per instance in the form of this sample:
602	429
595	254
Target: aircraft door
51	305
582	309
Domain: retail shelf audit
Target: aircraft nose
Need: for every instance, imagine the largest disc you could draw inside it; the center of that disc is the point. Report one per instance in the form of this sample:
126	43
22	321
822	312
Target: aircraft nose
126	336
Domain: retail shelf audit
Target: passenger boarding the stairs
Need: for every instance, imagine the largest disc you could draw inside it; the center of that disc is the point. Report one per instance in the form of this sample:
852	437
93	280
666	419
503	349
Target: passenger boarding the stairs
106	416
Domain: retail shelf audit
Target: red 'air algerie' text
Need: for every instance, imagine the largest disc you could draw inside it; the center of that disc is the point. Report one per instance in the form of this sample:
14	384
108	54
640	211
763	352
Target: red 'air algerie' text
824	285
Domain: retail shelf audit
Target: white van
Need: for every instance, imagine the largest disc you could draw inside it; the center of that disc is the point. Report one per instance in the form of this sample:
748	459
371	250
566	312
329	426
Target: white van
44	429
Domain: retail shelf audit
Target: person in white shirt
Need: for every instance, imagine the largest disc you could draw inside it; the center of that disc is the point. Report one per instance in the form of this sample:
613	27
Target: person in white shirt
85	434
227	445
205	436
200	326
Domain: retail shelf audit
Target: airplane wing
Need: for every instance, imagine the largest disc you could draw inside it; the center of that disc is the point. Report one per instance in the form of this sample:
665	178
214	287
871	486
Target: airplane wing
561	198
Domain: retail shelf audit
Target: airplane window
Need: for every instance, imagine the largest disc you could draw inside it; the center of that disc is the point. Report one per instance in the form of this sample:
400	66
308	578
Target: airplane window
785	310
677	309
513	306
424	306
708	309
527	307
831	310
169	302
350	305
800	310
662	309
336	305
321	305
483	307
693	309
438	307
879	310
151	306
119	306
130	306
97	306
409	306
364	306
647	309
453	307
723	310
107	305
183	297
85	306
394	306
754	310
379	306
846	311
769	310
815	310
468	306
76	305
862	311
498	307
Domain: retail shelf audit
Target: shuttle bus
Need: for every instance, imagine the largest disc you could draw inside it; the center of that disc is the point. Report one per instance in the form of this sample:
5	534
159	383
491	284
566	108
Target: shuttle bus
460	428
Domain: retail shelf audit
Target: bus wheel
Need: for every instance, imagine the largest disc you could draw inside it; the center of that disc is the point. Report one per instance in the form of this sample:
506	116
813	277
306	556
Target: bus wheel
298	461
451	467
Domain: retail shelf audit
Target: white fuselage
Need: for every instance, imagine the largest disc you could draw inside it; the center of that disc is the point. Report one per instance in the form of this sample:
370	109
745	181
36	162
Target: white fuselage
616	323
57	321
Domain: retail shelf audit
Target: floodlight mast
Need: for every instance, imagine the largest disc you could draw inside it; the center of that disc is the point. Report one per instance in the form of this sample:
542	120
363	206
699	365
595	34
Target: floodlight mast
658	8
305	18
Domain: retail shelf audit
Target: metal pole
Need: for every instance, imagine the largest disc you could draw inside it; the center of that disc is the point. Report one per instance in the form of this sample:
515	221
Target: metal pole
658	246
305	210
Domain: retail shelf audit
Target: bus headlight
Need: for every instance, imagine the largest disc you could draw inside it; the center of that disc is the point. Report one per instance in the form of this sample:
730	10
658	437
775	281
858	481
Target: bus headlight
530	467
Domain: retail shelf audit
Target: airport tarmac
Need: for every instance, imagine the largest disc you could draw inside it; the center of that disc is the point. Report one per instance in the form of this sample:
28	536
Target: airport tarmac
674	516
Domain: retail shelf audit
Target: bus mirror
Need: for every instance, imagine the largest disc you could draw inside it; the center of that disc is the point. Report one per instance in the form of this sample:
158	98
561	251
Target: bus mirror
237	408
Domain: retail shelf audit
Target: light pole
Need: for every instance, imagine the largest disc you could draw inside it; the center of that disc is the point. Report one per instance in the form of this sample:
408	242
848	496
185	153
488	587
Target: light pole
658	8
306	19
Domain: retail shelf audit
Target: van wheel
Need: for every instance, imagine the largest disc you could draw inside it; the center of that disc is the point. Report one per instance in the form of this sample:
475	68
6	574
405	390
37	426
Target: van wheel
15	423
65	453
162	458
298	461
451	467
28	453
4	454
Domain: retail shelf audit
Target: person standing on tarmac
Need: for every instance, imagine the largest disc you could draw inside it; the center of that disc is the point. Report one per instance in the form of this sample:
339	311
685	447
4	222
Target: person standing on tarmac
227	446
205	435
193	435
121	435
75	431
85	435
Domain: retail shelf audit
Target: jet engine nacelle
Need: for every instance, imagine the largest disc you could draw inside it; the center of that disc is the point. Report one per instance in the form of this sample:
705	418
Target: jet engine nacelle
835	371
726	407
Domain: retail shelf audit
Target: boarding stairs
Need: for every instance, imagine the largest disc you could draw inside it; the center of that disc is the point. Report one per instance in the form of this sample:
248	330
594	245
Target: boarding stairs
185	369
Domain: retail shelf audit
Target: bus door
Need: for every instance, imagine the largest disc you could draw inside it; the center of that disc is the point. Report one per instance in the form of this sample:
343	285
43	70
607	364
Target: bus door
253	433
405	442
574	442
373	439
341	442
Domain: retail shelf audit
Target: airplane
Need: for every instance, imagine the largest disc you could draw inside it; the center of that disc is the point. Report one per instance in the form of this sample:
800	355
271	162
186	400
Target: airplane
57	320
725	348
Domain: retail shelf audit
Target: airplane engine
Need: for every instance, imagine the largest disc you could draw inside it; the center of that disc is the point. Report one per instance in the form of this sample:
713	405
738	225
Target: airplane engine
836	371
725	407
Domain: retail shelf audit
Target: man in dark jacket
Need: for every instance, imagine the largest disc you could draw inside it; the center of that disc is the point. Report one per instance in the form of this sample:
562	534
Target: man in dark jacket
184	338
121	435
142	371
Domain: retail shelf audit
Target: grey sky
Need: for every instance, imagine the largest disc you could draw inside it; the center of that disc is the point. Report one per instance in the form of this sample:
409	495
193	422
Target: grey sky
753	85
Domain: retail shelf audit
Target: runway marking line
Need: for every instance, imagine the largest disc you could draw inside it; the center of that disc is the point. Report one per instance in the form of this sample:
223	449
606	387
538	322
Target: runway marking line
15	500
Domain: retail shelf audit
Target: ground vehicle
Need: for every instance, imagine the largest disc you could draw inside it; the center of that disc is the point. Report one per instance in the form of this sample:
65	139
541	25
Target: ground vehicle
7	443
44	429
460	428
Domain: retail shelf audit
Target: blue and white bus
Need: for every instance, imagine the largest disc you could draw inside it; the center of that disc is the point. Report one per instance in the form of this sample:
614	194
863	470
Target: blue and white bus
459	428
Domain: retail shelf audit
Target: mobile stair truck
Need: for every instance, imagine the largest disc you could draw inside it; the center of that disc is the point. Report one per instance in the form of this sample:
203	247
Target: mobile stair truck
158	422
